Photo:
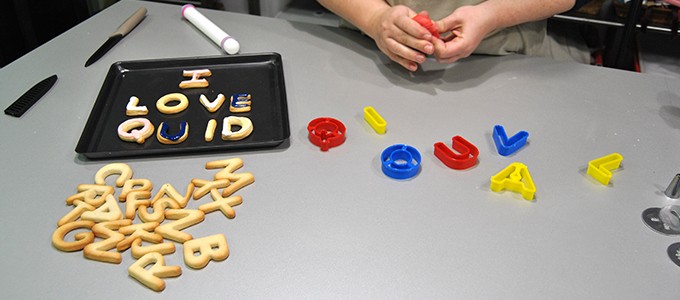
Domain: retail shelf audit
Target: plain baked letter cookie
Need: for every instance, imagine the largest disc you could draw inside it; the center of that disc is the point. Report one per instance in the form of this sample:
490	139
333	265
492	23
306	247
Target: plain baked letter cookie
135	231
168	191
81	238
208	248
163	248
151	277
121	169
108	231
75	213
109	211
185	218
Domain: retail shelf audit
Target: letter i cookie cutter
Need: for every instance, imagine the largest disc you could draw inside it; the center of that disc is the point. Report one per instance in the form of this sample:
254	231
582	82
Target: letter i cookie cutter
505	145
516	178
375	120
464	159
326	132
600	168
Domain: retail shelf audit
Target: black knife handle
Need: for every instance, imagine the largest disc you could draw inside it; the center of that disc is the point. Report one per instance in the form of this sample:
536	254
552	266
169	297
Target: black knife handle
21	105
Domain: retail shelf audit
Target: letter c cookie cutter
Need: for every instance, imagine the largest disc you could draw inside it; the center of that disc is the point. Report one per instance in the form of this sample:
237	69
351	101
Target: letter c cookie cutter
400	161
326	132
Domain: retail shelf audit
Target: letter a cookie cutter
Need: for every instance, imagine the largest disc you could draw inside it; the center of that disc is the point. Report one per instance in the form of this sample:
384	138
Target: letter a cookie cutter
464	159
516	178
600	168
326	132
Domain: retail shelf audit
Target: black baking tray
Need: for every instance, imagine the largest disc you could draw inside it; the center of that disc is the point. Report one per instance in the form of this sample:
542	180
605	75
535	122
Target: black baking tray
261	75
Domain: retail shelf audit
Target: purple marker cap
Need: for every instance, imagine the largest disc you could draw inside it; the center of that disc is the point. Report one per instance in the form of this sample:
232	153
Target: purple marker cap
184	7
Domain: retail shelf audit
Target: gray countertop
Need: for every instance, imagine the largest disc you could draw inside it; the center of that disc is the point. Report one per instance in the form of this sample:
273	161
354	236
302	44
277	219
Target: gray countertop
331	224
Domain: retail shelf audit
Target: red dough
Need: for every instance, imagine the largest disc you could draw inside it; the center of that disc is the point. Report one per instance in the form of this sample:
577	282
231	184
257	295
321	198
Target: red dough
426	22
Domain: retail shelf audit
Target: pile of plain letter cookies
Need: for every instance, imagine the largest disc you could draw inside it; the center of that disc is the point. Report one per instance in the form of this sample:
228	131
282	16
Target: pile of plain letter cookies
96	224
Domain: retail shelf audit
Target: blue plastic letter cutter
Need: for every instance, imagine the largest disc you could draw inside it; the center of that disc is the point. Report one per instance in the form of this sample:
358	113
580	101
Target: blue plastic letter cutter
375	120
505	145
400	161
516	178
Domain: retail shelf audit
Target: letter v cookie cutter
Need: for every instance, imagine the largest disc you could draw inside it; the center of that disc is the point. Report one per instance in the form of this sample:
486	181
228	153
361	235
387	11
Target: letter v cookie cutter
505	145
464	159
516	178
600	168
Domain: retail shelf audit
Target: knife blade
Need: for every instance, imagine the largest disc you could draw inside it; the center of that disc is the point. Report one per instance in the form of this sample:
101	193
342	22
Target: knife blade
118	35
30	97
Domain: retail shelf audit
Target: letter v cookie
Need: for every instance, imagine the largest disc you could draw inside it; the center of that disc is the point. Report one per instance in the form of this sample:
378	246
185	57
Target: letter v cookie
212	106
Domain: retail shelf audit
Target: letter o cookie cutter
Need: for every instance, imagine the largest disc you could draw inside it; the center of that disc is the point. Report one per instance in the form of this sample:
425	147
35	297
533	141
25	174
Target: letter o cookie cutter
400	161
162	103
326	132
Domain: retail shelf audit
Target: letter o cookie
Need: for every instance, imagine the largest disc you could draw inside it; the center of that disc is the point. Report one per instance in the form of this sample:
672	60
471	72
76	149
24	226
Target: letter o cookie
162	103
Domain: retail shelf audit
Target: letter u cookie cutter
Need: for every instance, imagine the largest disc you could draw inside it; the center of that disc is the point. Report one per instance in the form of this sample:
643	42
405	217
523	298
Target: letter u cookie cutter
464	159
326	132
516	178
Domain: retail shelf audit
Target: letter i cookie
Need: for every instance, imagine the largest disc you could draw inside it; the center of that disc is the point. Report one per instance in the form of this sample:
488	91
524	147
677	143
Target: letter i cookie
196	81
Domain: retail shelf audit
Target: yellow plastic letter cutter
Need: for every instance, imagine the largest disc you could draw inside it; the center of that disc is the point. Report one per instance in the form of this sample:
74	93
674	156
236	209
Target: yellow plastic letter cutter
375	120
516	178
600	168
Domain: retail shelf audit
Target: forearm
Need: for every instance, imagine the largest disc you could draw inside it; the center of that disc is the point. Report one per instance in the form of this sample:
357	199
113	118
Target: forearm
360	13
513	12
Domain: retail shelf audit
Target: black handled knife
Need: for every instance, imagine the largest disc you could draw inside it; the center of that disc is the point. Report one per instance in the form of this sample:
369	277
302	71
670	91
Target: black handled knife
30	97
122	31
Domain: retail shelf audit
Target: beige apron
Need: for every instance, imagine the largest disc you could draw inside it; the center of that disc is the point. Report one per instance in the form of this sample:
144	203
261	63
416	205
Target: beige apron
529	38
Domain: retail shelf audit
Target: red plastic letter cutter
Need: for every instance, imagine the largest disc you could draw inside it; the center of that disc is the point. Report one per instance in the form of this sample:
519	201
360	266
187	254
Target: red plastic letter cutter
464	159
326	133
425	21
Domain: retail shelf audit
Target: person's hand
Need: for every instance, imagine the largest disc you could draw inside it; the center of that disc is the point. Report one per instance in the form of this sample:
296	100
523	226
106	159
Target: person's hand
468	25
401	38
